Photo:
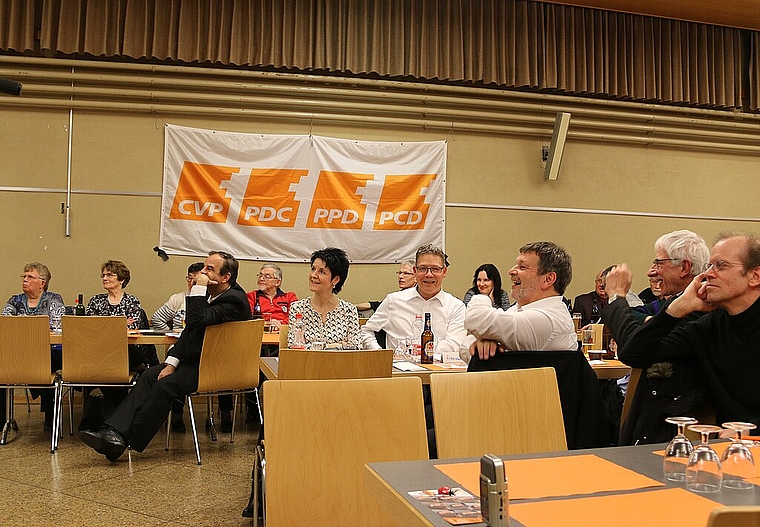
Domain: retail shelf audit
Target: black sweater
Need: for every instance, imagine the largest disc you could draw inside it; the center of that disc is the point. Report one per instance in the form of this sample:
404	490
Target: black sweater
727	349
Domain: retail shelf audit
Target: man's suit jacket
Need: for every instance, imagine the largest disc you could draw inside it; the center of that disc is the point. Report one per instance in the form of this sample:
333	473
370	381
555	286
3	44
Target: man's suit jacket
584	304
229	306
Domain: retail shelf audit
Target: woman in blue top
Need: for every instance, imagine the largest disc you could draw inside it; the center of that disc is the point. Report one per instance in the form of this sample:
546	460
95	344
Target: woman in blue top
37	300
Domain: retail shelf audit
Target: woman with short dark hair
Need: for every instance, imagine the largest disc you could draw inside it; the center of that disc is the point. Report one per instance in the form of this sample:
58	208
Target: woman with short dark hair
327	318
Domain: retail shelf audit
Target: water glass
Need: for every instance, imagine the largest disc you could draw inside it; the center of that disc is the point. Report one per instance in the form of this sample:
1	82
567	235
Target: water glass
704	472
678	450
737	460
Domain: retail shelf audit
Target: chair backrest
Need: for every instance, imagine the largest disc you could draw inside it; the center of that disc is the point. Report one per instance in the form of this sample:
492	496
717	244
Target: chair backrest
744	516
25	350
362	321
230	356
284	329
630	392
319	435
503	412
307	364
95	349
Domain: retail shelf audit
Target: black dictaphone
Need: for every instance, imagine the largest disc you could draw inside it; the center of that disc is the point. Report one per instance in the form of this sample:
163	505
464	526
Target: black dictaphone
494	496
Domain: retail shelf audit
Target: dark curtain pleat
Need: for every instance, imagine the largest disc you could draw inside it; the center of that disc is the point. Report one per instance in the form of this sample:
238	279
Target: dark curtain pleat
508	43
17	25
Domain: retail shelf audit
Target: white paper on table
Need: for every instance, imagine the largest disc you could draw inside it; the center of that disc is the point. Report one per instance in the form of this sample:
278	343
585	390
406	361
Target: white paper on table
403	365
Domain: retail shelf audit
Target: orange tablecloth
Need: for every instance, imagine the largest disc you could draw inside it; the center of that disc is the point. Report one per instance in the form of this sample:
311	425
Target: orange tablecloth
554	476
663	507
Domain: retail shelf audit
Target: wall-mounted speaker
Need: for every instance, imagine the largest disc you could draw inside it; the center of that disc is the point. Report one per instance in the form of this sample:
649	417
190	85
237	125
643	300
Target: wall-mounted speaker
10	87
557	146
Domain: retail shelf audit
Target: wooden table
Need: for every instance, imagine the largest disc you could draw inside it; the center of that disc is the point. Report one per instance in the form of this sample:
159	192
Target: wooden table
269	367
158	339
609	369
161	339
390	483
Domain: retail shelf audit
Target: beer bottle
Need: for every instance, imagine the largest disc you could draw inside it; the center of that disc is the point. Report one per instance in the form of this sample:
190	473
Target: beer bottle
79	308
427	342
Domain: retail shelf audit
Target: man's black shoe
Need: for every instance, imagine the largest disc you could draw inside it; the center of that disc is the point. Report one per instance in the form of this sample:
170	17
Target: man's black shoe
226	422
106	441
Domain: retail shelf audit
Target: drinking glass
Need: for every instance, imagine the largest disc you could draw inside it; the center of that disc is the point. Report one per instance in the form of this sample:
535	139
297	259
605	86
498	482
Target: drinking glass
678	450
737	460
704	472
587	339
401	351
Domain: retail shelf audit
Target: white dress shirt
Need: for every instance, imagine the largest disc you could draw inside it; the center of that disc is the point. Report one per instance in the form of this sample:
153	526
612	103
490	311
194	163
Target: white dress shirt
396	316
543	325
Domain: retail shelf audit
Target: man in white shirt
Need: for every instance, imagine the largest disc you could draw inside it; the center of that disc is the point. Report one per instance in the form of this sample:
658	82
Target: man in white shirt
538	321
397	312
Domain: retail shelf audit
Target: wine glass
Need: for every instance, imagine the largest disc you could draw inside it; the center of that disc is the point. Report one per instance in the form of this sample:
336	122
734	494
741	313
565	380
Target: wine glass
678	450
737	460
401	350
704	472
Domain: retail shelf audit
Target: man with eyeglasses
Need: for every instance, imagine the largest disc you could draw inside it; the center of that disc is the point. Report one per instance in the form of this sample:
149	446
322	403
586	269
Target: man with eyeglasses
590	305
396	313
269	301
538	320
171	315
724	342
665	388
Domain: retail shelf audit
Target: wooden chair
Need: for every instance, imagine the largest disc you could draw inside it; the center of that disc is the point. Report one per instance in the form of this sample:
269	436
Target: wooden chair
321	433
229	365
95	354
298	364
306	364
24	360
502	412
284	328
743	516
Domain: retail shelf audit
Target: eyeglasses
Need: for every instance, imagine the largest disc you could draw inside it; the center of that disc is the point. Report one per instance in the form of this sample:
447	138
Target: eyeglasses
721	265
657	262
425	270
404	273
109	275
30	277
266	276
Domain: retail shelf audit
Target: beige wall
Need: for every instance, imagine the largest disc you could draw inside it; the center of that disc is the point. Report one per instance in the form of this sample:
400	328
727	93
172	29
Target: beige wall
122	151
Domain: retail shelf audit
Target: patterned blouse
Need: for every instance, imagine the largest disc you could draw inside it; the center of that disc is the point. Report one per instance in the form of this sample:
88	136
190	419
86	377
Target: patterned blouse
128	307
342	324
50	304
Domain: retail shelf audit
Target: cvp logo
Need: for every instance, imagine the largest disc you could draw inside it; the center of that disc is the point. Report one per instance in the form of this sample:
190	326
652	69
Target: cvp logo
200	196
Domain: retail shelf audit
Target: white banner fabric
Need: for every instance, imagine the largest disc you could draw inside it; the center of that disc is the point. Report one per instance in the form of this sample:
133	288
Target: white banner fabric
281	197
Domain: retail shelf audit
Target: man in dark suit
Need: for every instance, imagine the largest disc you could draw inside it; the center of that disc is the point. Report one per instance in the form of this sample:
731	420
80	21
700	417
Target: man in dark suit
215	298
590	305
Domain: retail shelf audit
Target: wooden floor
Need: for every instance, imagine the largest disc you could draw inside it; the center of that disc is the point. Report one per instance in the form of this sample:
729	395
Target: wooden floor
78	487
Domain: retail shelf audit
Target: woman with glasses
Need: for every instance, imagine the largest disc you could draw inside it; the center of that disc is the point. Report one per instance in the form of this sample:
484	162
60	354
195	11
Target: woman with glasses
327	318
35	299
115	302
487	281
